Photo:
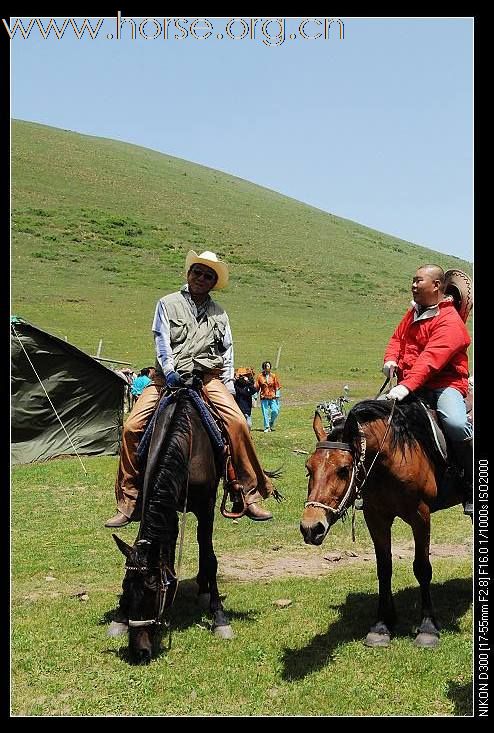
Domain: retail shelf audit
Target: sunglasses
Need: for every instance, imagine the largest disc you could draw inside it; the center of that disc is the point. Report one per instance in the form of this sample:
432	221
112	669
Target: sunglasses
197	271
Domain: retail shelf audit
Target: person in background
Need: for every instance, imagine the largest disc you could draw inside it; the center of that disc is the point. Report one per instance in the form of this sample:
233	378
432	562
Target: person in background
244	391
269	388
144	378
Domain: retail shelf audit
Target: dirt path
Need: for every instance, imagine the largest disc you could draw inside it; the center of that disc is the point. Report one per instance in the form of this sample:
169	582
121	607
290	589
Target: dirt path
276	562
314	561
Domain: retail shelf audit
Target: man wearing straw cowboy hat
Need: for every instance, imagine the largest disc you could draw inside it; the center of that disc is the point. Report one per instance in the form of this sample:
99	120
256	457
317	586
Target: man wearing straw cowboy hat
192	336
428	351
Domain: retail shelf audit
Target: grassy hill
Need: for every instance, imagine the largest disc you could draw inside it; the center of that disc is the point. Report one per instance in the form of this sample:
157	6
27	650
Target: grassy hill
101	229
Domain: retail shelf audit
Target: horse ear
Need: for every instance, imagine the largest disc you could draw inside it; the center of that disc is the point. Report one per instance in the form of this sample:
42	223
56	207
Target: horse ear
318	427
124	548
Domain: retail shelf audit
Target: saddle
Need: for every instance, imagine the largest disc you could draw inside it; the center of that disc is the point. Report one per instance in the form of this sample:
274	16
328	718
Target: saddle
437	431
440	439
451	481
218	436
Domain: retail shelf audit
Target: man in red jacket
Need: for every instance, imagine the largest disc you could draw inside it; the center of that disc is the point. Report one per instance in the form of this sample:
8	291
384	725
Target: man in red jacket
428	351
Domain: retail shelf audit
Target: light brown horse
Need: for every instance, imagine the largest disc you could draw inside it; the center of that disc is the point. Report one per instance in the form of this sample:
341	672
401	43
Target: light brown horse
384	452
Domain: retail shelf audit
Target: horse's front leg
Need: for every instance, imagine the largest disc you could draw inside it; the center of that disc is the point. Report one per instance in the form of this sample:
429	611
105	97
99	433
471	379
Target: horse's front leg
380	530
208	568
428	631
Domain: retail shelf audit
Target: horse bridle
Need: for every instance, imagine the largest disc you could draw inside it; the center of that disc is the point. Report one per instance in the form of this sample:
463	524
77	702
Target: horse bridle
164	582
328	445
342	508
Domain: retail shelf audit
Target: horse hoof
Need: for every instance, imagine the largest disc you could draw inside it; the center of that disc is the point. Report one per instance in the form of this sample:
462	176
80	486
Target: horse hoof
204	601
117	629
224	632
374	639
426	641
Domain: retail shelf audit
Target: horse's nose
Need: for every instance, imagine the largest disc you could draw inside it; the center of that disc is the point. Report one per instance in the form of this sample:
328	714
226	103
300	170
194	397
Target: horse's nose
140	645
141	656
313	534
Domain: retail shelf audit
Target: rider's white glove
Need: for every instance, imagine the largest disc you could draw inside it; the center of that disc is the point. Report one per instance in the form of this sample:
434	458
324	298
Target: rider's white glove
387	367
398	393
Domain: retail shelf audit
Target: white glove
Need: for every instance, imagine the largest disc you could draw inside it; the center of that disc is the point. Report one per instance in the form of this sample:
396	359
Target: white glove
398	393
387	367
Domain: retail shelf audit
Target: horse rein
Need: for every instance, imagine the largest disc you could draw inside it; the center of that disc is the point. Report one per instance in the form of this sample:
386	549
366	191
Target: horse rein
184	514
388	380
388	426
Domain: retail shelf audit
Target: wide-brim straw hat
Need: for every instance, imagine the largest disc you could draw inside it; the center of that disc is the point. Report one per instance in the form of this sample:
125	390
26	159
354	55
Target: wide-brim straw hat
210	260
459	285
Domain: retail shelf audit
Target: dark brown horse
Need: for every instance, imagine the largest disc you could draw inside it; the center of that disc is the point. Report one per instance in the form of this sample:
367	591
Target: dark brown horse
384	452
182	472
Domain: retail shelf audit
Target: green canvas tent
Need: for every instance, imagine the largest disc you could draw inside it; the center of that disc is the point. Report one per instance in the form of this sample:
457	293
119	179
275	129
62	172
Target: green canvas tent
50	377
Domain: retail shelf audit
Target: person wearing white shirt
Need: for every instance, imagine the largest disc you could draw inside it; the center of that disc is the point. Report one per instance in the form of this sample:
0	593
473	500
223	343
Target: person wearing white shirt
192	336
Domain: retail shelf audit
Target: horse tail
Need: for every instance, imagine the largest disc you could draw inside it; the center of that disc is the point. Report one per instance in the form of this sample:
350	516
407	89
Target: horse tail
276	473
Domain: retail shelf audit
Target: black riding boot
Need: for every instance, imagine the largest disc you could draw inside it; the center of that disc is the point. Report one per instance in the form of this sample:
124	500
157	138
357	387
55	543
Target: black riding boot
464	455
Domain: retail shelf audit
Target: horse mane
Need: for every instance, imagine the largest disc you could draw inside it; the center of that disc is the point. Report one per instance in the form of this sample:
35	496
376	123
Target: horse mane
409	424
165	490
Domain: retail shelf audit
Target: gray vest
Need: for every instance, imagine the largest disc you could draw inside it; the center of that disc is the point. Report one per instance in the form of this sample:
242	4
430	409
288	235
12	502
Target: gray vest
195	346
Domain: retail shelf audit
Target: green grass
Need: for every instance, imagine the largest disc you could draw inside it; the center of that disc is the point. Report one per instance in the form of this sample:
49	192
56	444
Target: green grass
307	659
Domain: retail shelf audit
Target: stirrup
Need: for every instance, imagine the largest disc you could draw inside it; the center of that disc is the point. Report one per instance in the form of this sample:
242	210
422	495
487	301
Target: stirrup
236	496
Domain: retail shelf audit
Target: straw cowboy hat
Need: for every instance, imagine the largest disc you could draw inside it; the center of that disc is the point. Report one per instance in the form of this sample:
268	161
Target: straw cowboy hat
210	260
460	287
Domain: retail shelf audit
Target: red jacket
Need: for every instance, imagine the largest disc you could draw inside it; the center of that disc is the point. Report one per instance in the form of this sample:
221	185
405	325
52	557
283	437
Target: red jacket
431	352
